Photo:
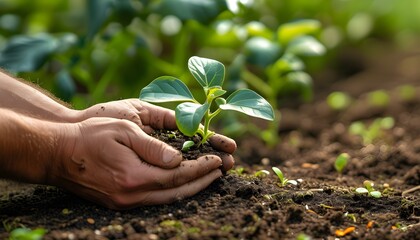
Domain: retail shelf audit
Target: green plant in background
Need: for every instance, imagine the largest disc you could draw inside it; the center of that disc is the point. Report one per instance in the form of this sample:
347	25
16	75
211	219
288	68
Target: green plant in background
338	100
368	188
406	92
27	234
378	98
283	181
372	132
278	65
191	113
341	162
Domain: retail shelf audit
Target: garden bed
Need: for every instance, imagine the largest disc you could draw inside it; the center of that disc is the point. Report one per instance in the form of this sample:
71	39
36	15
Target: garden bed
324	205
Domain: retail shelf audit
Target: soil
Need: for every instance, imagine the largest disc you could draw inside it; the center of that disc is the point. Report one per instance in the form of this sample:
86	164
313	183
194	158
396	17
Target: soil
324	205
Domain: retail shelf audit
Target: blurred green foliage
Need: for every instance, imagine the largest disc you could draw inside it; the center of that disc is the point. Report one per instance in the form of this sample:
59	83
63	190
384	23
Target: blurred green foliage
88	51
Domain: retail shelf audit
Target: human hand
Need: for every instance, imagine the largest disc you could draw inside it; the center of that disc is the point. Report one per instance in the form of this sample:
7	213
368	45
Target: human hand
114	163
150	117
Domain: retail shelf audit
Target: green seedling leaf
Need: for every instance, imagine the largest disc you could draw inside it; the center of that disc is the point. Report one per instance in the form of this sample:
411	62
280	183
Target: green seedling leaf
387	122
407	92
208	72
338	100
293	182
288	63
188	117
341	162
379	98
187	145
289	31
279	173
375	194
27	234
261	173
215	92
306	46
250	103
166	89
220	101
357	128
361	190
368	185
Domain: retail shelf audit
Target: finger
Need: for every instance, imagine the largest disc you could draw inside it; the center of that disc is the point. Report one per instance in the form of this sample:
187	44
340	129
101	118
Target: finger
228	162
157	117
155	197
154	151
148	148
223	143
147	177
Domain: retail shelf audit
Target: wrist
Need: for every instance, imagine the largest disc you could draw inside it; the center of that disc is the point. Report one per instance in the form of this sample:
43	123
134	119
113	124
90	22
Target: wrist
27	147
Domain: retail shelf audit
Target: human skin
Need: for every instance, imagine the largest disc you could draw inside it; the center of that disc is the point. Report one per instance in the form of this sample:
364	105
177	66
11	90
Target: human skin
102	153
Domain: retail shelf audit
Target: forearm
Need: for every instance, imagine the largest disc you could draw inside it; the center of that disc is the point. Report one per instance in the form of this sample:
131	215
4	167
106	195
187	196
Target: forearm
27	147
23	98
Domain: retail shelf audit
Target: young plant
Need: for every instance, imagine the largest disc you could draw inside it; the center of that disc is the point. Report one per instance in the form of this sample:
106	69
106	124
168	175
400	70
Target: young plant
369	189
373	131
191	113
283	181
27	234
341	162
261	173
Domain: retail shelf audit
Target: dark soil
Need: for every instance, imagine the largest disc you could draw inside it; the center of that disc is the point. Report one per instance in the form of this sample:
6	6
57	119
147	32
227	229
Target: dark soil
242	206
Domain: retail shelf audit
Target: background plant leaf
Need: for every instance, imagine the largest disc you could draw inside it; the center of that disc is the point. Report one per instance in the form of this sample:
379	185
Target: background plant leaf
261	51
202	11
27	53
188	117
288	31
166	89
306	46
250	103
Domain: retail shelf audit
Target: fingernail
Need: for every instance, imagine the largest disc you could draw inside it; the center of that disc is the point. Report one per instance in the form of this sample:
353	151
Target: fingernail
170	155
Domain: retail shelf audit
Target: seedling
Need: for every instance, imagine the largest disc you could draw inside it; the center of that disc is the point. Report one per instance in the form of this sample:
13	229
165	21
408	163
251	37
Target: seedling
238	171
341	162
283	180
261	173
338	100
27	234
373	131
191	113
369	189
187	145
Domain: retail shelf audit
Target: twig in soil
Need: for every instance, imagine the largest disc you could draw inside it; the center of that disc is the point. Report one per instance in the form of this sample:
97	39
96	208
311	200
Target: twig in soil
410	190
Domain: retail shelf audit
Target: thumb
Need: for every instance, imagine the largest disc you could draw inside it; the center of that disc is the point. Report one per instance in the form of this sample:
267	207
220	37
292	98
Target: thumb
155	152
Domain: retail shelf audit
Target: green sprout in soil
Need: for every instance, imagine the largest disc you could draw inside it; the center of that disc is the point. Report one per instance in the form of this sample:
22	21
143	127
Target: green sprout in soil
191	113
372	132
369	189
187	145
341	162
237	171
261	173
27	234
378	98
406	92
302	236
338	100
283	181
352	216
